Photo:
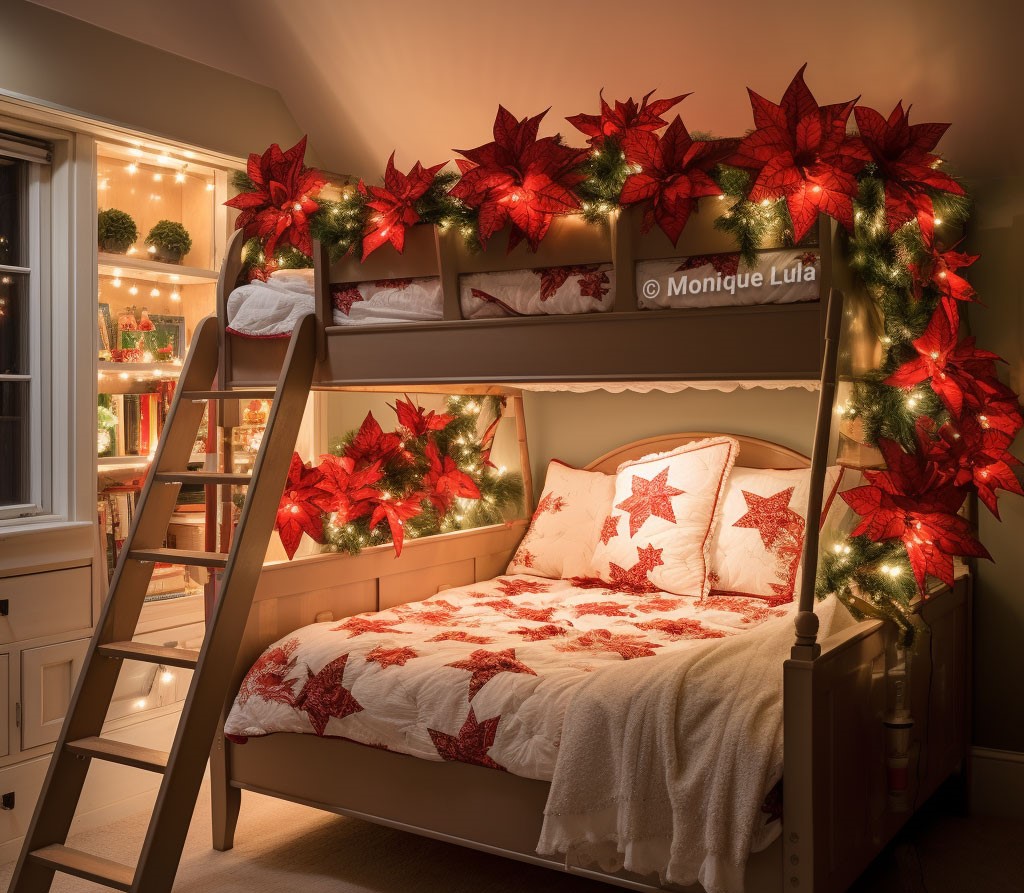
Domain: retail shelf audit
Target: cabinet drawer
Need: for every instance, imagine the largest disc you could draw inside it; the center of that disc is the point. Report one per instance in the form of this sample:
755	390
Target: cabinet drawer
413	586
46	604
5	714
48	677
20	783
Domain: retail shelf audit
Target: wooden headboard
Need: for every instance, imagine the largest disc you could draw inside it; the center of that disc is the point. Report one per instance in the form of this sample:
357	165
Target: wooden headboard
754	452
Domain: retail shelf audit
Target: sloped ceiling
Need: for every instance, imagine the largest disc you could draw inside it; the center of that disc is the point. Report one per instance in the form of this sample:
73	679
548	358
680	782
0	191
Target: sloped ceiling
423	77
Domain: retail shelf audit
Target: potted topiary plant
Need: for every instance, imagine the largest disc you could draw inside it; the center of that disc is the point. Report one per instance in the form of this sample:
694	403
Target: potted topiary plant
116	231
168	242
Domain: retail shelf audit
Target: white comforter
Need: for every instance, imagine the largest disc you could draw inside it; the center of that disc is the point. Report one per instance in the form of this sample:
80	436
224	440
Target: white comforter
663	765
483	674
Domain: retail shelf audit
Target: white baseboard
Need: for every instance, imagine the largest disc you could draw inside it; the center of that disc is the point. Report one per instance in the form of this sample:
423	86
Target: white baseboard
997	782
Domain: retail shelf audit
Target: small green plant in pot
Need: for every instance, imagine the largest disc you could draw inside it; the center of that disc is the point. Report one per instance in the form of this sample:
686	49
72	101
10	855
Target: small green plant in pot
116	231
168	242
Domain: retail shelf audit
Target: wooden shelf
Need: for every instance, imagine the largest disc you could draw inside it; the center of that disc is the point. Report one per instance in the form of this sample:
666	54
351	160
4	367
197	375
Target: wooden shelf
154	370
133	266
122	461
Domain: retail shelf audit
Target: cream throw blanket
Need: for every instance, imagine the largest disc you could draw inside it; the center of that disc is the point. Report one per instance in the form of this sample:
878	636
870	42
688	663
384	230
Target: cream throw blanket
664	763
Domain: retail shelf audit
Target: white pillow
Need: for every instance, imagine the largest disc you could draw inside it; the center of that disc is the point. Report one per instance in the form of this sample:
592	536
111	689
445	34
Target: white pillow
658	533
566	525
756	549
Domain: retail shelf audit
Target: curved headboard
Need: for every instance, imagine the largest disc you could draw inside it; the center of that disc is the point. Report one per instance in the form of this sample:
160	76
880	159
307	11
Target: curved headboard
754	452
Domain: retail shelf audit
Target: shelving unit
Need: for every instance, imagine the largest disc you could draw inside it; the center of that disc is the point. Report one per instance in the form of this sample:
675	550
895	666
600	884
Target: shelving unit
137	371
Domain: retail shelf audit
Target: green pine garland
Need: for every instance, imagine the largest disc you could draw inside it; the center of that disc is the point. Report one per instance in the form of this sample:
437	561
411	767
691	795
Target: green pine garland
501	491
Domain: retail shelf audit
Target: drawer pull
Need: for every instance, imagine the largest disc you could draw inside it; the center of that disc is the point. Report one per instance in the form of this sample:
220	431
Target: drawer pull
5	607
7	801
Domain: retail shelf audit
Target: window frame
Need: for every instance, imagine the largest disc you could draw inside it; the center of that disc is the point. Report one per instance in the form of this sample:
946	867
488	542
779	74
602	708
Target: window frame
39	337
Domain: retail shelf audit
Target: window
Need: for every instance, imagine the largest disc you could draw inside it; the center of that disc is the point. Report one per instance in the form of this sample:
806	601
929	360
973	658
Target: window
24	385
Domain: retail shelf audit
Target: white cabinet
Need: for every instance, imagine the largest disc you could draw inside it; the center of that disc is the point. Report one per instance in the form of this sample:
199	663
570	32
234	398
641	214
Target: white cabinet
48	677
46	604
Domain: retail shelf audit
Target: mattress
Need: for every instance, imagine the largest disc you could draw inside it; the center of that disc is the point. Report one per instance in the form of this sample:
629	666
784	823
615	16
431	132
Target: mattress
481	674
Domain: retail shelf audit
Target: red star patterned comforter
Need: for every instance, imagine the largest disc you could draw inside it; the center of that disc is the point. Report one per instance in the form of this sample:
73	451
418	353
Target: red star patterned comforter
482	674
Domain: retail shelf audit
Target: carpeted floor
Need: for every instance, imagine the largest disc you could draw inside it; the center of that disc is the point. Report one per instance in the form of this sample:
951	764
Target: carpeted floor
282	847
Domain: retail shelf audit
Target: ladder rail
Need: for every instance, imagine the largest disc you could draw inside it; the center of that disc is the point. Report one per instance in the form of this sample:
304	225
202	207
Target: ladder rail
190	751
44	852
95	686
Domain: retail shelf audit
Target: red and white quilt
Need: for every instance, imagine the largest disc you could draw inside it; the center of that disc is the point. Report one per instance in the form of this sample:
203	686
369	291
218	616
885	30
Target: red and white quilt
481	674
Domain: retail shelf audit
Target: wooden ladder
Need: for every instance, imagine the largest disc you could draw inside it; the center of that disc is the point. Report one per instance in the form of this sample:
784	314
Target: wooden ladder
44	851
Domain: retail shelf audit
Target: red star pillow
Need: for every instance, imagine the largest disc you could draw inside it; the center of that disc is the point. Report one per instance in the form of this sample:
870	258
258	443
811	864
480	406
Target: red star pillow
566	525
657	536
756	549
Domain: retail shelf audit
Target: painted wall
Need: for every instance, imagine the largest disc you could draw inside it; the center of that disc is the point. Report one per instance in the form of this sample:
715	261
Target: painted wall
997	234
65	62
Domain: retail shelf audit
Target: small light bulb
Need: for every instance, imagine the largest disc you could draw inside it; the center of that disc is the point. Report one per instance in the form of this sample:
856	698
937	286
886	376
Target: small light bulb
175	295
179	177
166	676
132	168
134	290
157	178
938	221
151	249
115	282
154	292
123	376
209	187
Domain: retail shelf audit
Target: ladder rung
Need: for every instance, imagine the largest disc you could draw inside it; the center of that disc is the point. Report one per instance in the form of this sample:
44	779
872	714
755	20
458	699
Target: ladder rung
202	477
180	556
244	394
119	752
87	866
152	654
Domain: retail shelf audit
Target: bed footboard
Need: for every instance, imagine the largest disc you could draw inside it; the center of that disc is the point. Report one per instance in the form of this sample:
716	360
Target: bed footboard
838	812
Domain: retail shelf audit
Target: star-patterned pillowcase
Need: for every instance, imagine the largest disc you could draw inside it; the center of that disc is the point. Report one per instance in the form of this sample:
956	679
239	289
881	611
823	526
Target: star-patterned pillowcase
565	527
657	536
756	549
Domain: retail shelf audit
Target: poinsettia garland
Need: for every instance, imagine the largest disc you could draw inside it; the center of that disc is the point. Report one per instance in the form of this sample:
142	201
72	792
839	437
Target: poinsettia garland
431	474
935	407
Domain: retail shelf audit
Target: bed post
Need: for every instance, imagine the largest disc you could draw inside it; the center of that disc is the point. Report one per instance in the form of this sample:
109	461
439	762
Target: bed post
225	799
800	867
322	289
806	647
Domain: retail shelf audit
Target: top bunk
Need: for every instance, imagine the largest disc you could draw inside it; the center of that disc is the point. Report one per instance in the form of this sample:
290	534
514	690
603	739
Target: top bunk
654	312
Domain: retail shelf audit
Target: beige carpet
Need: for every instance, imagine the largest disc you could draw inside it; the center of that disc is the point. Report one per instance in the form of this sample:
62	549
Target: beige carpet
282	848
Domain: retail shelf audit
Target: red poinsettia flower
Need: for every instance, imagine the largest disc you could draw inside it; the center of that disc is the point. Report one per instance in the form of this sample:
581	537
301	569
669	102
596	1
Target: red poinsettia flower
348	491
418	421
300	508
971	456
914	502
902	153
996	407
953	367
371	444
277	212
444	481
396	510
519	179
674	172
801	153
938	269
394	205
625	118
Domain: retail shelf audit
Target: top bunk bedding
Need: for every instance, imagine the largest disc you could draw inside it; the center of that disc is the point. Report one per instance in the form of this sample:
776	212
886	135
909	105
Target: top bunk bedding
591	304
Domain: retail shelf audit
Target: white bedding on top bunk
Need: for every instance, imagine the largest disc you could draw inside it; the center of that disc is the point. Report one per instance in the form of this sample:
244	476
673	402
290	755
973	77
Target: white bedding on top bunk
271	309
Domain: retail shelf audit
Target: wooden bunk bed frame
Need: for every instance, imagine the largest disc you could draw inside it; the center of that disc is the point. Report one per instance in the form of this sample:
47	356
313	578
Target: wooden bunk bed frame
838	814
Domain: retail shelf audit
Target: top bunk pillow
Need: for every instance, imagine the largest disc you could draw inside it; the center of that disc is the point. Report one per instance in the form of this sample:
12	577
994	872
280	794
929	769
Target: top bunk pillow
757	547
657	536
565	527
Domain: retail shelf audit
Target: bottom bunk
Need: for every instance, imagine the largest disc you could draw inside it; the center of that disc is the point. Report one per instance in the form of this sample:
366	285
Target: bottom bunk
843	799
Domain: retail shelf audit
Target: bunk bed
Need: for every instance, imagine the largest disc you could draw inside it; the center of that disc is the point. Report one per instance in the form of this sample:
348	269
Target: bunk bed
838	810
